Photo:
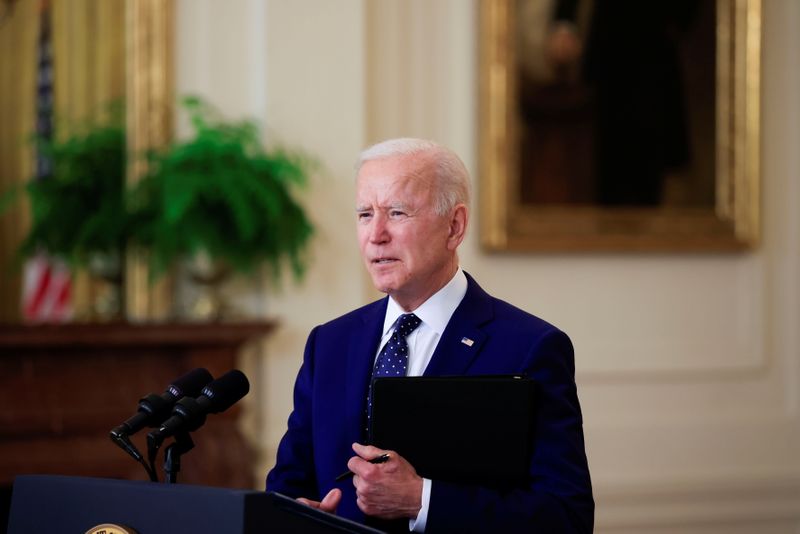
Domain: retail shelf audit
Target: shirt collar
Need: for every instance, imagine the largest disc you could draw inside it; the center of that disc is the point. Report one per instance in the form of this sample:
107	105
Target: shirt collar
437	310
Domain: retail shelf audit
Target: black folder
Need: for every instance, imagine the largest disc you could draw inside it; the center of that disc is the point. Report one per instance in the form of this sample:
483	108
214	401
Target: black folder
465	429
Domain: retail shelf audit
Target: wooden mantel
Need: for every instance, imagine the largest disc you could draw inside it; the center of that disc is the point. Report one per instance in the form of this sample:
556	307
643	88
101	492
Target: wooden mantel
64	387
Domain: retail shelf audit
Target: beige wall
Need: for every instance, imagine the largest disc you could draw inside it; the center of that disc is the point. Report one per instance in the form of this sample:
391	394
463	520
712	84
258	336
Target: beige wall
688	365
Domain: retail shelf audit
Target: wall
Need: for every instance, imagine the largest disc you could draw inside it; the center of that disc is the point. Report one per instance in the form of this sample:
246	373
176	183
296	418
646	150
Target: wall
688	365
301	78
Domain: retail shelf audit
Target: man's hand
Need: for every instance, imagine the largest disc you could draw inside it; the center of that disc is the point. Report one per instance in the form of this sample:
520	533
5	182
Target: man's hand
328	504
389	490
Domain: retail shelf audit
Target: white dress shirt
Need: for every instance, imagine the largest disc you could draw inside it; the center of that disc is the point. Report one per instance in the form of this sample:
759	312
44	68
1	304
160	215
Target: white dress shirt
434	313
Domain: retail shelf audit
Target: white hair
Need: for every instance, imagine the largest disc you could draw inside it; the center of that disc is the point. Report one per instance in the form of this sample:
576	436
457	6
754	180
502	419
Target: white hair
451	176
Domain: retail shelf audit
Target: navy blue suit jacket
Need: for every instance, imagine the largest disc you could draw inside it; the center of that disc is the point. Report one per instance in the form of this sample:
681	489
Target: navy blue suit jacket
330	396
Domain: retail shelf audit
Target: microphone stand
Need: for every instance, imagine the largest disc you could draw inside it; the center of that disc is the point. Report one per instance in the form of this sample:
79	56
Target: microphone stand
121	438
172	456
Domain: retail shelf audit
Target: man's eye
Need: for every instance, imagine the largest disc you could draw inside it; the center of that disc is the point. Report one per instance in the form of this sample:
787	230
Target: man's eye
396	213
363	216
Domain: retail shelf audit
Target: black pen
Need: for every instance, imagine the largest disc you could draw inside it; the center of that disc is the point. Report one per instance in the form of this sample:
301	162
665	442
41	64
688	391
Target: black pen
377	460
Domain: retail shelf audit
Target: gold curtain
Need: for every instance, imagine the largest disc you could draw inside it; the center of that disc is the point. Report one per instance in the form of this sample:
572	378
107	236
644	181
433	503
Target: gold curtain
88	56
18	39
89	72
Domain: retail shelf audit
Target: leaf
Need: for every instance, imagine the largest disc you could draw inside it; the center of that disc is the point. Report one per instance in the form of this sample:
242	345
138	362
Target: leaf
222	193
180	191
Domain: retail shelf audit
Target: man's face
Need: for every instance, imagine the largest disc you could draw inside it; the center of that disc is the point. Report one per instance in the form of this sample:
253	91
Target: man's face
407	248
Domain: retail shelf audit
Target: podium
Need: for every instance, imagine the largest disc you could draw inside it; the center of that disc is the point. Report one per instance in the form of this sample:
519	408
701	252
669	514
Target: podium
44	503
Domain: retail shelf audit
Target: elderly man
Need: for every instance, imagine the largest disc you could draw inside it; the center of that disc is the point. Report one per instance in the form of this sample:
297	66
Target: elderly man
412	199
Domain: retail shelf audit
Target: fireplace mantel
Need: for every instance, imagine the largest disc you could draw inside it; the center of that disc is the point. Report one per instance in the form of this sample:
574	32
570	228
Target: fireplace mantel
63	387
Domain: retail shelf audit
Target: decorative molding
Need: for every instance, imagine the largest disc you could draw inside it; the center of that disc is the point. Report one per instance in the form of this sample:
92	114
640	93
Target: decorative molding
700	502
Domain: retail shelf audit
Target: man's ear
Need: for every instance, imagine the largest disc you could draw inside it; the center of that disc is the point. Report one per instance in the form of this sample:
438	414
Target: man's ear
458	226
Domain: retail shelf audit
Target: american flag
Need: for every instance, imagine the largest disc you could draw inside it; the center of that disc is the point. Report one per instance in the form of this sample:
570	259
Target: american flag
47	284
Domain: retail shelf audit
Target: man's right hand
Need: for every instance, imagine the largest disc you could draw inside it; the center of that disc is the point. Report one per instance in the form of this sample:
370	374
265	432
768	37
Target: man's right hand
329	503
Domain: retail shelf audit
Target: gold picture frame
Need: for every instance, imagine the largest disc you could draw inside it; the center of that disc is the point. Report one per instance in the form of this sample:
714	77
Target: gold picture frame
729	221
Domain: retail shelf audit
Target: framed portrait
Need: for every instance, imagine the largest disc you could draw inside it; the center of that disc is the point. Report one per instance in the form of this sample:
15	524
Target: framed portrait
619	125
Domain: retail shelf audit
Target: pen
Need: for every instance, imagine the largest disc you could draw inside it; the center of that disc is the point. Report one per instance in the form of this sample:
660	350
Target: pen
377	460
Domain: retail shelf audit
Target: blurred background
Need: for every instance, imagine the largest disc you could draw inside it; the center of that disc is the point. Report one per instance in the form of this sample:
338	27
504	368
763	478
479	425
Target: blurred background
688	364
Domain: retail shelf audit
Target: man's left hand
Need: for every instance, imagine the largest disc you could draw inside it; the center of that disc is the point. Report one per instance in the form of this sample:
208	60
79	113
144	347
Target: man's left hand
388	490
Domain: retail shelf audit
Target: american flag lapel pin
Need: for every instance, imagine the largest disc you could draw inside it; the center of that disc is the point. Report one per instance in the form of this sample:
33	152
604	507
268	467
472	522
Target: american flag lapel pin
467	341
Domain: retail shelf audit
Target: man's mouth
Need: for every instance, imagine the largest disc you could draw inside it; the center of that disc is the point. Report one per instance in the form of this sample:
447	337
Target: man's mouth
381	261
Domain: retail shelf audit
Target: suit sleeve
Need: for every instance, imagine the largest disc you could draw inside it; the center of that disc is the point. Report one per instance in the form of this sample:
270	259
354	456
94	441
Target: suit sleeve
293	474
559	495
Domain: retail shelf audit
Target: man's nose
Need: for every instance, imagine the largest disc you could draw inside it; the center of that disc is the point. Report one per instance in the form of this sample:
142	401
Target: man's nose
378	231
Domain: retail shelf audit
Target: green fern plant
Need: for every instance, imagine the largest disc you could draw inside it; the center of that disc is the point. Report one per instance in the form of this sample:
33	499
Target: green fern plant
78	210
220	193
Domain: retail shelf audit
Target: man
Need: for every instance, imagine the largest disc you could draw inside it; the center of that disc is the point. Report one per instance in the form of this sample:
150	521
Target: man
412	200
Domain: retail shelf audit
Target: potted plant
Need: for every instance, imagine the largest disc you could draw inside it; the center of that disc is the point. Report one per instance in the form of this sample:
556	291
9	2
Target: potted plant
222	196
77	208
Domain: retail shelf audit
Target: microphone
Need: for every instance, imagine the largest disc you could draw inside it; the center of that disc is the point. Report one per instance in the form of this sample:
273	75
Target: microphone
190	414
154	409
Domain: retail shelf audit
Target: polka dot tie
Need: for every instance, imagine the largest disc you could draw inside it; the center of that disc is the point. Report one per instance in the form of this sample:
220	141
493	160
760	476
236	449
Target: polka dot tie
393	357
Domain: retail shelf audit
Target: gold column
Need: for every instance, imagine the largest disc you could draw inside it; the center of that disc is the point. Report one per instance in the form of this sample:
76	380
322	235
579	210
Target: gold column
149	111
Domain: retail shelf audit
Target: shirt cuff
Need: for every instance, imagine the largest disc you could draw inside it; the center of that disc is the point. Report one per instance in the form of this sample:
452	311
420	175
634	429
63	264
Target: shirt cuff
418	524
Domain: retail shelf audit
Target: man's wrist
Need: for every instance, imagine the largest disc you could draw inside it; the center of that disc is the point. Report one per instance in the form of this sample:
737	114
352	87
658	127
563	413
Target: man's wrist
418	524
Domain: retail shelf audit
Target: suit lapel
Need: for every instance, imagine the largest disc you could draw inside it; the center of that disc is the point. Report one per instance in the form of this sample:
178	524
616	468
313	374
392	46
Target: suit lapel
462	339
361	351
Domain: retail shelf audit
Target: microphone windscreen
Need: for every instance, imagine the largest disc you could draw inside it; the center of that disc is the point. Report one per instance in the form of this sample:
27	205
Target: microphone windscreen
226	390
190	384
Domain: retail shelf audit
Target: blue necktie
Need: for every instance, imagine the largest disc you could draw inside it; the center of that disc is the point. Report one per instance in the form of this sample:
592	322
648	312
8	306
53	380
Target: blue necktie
393	357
